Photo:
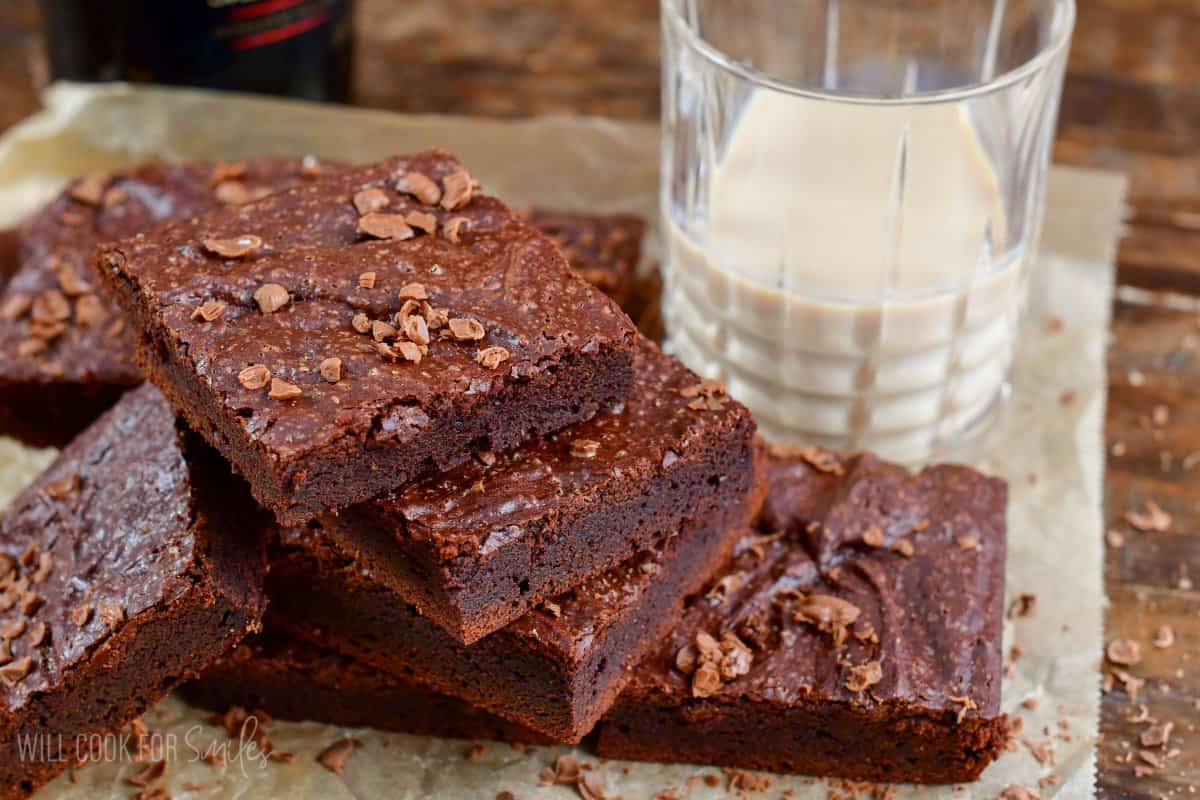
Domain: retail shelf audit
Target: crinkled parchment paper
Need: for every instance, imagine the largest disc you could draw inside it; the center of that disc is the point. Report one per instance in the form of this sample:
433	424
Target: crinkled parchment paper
1050	451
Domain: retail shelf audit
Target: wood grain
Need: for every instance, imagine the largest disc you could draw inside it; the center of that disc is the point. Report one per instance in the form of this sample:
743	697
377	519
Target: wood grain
1131	103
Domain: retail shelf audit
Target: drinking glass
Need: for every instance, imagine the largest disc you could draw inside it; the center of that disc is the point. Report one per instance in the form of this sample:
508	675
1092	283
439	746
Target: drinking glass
852	192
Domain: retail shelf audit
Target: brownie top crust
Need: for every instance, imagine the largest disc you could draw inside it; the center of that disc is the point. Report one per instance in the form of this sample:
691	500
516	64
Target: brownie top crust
861	584
490	501
104	535
604	248
362	305
54	323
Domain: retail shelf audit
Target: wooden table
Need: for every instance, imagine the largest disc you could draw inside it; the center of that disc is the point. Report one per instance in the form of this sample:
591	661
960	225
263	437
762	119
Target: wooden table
1131	103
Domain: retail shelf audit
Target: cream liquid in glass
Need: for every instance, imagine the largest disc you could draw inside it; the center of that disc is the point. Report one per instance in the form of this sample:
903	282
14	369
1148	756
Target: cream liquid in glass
849	277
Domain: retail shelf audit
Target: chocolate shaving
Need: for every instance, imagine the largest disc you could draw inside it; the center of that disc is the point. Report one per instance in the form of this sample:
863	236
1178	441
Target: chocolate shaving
14	672
492	357
1125	652
416	329
16	306
422	221
414	291
283	390
864	676
457	190
271	297
254	377
419	186
366	280
466	330
209	310
234	247
454	227
585	448
368	201
1151	518
384	226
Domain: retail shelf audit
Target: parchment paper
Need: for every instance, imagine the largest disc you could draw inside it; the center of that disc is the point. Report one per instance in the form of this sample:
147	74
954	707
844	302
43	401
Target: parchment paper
1050	450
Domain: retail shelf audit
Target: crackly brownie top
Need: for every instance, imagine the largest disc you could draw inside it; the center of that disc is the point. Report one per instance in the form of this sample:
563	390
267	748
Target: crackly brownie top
363	304
603	248
54	321
497	499
103	536
861	584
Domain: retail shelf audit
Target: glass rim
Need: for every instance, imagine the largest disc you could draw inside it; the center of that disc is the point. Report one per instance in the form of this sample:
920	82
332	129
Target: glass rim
1039	61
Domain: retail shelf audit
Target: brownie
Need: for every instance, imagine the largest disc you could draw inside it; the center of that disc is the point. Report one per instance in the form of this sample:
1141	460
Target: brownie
337	340
855	633
477	547
555	670
126	567
65	353
604	248
294	680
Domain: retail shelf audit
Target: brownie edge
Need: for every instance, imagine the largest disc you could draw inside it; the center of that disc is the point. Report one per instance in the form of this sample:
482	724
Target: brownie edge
856	633
337	340
126	567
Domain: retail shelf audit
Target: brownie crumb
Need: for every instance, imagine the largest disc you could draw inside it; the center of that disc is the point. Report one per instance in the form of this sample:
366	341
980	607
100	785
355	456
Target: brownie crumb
1022	606
151	773
414	291
366	280
334	757
585	448
1125	652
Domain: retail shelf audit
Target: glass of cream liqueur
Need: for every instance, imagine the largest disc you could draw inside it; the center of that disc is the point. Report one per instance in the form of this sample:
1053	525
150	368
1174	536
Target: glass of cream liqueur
852	192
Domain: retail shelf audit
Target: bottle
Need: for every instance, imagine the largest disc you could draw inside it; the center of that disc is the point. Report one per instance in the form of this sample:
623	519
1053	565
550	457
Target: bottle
297	48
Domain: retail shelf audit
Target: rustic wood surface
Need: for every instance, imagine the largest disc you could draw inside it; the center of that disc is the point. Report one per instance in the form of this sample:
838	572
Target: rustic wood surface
1131	103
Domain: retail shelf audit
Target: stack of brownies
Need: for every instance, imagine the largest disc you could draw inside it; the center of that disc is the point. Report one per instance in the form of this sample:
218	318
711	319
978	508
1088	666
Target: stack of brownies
473	499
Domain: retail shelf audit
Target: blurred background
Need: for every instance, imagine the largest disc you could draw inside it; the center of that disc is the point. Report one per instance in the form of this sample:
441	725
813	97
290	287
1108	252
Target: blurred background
1131	101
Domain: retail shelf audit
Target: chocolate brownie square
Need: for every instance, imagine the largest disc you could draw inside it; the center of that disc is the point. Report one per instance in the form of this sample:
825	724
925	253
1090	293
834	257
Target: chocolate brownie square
474	549
855	633
294	680
338	340
555	670
604	248
66	354
125	568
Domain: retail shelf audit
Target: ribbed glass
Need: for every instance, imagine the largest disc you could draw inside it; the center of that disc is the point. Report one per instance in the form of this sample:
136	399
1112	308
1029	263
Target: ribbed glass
852	192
